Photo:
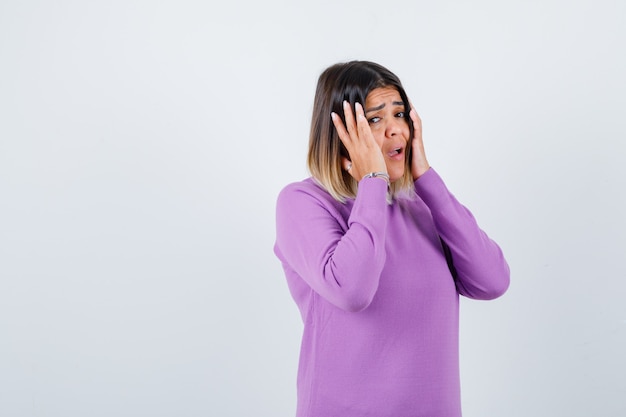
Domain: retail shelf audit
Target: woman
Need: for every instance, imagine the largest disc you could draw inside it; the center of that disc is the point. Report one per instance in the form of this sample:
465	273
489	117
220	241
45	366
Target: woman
376	251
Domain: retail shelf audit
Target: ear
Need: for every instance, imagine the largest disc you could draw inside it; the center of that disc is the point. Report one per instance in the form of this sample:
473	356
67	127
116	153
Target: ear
346	164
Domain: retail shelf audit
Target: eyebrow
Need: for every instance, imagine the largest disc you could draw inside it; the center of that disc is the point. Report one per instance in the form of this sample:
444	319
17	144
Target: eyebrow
394	103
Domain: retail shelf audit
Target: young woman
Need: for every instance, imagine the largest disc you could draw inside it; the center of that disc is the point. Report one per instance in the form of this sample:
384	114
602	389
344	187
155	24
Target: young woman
376	251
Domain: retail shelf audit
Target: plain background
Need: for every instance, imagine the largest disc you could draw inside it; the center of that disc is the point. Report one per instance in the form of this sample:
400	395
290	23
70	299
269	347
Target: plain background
143	143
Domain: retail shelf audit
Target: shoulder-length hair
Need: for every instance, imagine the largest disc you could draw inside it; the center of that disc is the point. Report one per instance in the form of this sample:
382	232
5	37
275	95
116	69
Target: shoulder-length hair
351	81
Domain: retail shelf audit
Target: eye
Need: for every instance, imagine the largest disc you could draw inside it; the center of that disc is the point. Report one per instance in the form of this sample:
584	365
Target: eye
374	119
401	115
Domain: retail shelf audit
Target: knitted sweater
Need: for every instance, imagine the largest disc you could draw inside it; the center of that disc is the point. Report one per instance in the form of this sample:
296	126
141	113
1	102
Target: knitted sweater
378	286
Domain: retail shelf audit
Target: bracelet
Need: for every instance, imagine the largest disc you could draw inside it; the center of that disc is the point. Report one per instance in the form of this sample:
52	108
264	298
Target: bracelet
382	175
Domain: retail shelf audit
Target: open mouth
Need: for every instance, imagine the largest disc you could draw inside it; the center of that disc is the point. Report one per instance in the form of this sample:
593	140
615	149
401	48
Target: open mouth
395	152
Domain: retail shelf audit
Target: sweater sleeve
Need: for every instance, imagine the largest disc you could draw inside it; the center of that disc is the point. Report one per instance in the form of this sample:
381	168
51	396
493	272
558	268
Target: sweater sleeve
339	259
480	270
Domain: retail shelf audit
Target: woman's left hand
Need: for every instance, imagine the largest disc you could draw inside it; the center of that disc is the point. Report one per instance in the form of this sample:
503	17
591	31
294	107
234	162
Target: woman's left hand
419	163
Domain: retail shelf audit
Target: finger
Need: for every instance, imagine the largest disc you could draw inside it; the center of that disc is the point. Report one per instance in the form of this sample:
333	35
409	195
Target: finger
417	122
341	129
350	120
363	126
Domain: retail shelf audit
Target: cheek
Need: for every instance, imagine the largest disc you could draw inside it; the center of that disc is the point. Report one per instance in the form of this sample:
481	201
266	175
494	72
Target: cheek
406	131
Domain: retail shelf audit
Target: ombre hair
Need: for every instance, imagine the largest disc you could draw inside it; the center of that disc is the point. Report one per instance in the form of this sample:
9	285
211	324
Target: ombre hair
351	81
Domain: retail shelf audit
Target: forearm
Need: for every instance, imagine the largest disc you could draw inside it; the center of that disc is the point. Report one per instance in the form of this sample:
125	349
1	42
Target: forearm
341	259
481	270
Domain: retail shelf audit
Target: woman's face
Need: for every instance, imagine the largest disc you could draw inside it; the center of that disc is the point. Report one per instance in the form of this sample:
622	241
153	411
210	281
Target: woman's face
385	113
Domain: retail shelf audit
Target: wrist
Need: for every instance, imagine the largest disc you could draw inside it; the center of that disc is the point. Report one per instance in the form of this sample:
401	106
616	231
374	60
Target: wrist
378	174
419	171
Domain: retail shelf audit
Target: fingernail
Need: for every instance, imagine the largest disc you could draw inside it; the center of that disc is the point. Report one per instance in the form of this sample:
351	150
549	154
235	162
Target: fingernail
332	115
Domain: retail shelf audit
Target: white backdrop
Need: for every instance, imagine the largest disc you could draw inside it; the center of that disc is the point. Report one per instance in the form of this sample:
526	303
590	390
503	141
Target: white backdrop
142	146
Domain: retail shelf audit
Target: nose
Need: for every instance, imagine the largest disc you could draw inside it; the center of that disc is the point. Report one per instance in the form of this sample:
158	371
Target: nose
394	127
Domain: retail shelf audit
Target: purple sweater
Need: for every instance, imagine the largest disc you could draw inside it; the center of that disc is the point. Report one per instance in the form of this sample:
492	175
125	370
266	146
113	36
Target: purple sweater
377	286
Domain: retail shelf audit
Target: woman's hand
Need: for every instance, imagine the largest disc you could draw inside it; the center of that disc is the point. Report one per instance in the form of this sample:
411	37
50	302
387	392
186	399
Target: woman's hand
419	163
365	153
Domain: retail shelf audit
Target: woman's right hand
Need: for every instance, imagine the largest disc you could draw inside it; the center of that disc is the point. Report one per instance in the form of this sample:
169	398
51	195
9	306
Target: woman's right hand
357	137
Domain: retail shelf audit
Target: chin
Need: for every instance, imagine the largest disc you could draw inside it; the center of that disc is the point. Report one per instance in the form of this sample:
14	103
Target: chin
395	176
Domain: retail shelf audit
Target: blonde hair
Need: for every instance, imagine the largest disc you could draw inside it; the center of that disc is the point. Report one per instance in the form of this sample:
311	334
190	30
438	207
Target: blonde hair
351	81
